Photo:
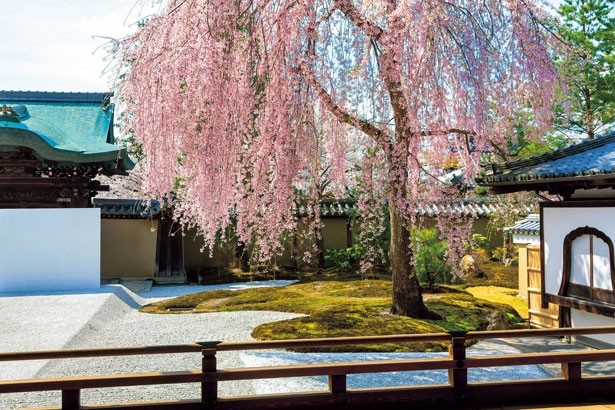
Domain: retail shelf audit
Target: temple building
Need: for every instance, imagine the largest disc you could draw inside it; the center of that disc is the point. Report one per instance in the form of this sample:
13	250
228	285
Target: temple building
572	280
53	146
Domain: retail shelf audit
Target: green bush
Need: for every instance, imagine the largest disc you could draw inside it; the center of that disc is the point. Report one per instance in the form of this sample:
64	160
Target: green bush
480	241
347	258
430	257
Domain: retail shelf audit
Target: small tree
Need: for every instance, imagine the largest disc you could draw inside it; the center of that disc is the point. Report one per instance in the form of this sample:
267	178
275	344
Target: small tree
430	257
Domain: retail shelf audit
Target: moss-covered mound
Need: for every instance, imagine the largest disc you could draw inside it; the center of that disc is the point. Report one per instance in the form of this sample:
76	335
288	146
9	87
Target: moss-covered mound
338	308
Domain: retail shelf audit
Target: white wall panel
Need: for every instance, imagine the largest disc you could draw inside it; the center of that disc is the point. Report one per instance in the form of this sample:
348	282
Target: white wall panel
602	265
580	263
586	319
49	249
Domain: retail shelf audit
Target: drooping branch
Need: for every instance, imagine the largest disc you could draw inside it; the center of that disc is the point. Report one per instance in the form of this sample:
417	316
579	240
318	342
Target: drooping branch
428	133
466	134
351	12
381	137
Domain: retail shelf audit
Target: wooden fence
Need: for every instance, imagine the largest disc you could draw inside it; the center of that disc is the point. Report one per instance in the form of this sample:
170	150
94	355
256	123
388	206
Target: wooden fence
571	386
538	316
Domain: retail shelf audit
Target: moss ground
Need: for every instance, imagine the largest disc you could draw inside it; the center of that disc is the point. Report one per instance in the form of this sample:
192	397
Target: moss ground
339	304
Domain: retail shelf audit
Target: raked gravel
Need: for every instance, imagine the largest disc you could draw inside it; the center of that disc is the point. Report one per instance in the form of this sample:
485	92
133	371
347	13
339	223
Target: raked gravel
109	317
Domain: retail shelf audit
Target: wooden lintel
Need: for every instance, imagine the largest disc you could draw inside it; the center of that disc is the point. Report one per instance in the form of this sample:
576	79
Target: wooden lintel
27	163
34	181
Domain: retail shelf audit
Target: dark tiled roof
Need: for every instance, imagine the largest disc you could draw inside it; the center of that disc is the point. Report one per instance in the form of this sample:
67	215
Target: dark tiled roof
527	226
127	208
337	208
138	208
593	159
70	128
467	207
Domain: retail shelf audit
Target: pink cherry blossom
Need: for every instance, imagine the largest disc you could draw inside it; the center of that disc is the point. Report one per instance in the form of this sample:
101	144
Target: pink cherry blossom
221	94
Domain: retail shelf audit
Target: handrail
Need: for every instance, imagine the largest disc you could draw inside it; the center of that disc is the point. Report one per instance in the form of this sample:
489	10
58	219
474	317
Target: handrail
306	370
299	343
458	389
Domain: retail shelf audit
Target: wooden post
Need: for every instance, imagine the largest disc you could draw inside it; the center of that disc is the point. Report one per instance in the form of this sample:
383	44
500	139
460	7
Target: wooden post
209	390
337	383
71	399
458	377
571	371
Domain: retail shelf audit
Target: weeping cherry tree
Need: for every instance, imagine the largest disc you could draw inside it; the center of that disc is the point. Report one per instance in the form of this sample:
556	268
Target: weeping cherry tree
223	94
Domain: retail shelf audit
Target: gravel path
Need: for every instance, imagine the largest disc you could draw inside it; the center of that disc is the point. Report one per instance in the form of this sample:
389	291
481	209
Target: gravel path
109	317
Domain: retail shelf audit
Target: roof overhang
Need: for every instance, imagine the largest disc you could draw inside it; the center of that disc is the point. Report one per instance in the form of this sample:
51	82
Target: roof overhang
14	138
565	186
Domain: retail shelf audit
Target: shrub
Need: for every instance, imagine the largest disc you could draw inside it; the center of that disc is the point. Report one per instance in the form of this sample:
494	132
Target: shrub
480	241
430	257
347	259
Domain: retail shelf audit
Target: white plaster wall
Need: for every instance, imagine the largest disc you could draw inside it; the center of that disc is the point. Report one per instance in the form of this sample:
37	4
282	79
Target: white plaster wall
49	249
559	222
526	239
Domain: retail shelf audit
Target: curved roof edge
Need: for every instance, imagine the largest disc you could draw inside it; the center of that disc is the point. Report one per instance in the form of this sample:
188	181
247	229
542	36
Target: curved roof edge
54	96
21	137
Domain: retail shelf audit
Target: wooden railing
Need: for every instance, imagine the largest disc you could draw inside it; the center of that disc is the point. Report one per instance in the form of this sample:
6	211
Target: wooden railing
572	385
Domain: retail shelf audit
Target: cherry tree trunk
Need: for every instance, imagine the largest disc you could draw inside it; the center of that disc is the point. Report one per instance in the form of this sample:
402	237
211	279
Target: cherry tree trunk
407	295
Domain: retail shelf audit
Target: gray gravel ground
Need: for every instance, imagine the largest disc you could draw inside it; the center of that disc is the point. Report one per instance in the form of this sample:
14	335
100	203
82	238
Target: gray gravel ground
109	317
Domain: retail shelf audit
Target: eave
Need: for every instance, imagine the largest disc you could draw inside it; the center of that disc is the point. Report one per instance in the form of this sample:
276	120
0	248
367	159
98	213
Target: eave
114	161
555	186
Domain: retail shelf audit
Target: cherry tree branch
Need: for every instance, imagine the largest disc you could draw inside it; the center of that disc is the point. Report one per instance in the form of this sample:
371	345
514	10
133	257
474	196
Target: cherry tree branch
381	137
350	11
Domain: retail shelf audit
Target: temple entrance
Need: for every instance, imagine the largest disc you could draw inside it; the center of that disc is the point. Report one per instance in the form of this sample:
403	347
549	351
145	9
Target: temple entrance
170	251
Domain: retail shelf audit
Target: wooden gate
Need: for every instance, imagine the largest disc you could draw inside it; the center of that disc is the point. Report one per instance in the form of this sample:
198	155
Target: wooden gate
539	317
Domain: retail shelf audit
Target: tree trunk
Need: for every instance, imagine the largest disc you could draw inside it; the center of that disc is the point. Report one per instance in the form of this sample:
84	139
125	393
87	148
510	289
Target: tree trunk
320	249
589	114
407	295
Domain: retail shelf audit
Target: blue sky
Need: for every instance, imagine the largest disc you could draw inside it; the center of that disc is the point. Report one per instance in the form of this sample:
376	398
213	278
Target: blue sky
52	45
55	45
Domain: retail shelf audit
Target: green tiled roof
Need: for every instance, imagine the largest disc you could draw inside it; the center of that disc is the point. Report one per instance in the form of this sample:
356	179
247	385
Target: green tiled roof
528	226
467	207
73	128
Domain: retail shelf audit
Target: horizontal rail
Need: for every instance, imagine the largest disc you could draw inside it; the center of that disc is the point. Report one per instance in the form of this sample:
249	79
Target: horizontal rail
456	364
233	374
326	369
299	343
100	352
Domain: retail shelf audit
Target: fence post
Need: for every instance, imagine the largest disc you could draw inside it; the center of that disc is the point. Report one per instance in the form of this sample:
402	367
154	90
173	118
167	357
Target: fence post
571	371
71	399
458	377
337	383
209	390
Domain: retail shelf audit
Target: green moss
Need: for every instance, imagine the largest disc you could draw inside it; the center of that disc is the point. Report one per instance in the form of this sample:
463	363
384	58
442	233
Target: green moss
497	274
338	322
345	308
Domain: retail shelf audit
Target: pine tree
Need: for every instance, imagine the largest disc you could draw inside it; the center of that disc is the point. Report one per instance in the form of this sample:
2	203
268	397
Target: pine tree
588	66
